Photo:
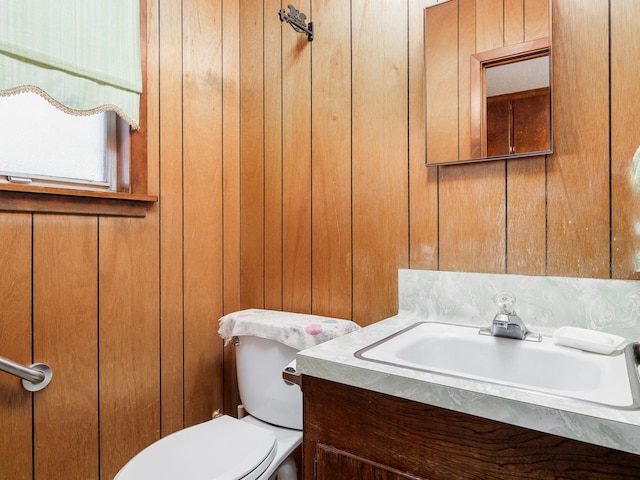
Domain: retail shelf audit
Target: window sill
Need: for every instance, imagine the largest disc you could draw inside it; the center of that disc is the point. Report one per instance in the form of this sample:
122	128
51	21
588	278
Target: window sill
22	198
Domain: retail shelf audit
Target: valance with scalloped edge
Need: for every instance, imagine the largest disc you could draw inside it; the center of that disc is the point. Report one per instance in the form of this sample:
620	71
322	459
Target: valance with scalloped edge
82	55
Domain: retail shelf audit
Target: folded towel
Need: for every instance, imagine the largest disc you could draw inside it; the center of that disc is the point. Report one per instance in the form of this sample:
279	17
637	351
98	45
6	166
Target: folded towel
297	330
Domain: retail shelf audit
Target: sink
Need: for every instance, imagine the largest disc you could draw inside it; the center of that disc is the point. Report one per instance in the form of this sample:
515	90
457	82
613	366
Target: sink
545	367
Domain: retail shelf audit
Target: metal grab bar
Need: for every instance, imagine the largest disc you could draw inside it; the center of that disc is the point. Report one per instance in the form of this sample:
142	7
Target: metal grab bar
34	378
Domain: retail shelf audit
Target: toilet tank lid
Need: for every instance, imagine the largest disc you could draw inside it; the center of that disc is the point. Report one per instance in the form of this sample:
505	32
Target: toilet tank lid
223	448
297	330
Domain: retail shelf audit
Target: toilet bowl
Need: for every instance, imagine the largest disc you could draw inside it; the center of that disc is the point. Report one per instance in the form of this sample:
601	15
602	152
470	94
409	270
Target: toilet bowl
260	445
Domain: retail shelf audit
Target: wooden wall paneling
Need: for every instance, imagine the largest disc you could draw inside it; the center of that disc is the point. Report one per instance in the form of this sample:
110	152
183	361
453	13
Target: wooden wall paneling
513	21
625	123
15	344
472	196
153	107
380	156
173	416
466	48
331	152
252	173
490	24
440	40
526	214
167	33
578	175
139	139
231	153
423	181
129	339
472	217
231	183
526	181
65	336
202	197
536	19
274	30
296	168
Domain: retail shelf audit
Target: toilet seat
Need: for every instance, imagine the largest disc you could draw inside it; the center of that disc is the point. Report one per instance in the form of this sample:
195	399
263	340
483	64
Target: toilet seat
220	449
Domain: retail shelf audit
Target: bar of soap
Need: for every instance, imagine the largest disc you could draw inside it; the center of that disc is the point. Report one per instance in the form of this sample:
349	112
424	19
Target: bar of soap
589	340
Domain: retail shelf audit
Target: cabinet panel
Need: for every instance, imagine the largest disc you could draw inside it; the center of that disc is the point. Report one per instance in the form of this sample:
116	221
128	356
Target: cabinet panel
333	463
518	122
498	127
399	435
531	123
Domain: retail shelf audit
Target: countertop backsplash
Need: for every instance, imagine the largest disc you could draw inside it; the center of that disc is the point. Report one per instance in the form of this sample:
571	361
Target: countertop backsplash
544	303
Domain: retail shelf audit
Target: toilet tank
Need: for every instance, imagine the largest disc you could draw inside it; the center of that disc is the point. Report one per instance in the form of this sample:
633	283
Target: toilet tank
264	394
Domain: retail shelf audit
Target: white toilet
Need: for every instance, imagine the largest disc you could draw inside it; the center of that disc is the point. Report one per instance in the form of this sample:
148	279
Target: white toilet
260	445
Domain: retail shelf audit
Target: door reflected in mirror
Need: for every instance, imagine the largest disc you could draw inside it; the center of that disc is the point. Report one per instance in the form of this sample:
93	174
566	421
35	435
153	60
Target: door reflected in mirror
488	83
511	101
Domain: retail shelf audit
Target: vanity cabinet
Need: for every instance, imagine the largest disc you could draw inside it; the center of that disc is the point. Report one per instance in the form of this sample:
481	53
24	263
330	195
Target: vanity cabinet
352	433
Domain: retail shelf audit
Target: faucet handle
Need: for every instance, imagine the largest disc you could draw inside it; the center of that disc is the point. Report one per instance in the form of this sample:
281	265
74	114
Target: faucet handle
506	302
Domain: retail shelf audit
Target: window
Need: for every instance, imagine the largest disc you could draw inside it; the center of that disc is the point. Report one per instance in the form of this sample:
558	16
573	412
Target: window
42	145
106	176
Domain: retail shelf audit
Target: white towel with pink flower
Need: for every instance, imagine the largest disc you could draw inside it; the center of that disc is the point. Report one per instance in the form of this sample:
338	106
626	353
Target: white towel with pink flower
297	330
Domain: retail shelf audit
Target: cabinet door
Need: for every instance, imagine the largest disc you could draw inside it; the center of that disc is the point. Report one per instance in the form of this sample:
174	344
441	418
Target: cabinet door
531	123
499	127
332	464
518	123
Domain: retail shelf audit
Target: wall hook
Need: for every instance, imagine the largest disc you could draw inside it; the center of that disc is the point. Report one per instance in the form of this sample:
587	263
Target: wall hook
297	21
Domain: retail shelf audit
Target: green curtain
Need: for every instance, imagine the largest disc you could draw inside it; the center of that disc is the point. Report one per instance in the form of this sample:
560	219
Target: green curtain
82	55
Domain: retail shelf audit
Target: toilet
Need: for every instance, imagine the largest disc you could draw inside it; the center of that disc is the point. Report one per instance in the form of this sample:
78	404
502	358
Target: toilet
260	445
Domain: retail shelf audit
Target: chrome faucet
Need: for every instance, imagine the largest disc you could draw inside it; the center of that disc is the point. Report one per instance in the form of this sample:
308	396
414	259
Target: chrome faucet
507	323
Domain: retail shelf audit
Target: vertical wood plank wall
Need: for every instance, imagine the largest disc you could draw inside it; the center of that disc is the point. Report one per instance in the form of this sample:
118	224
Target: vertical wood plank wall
16	404
65	262
290	175
331	104
579	195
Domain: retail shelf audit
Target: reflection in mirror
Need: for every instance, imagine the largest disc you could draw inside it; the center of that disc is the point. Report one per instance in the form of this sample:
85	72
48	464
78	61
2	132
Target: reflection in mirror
469	58
518	117
511	101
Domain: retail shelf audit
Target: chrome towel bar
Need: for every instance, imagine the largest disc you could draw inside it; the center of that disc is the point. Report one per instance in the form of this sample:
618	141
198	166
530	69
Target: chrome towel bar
34	378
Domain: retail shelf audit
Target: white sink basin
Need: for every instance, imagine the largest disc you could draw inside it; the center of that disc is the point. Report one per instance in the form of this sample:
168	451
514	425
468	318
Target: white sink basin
544	367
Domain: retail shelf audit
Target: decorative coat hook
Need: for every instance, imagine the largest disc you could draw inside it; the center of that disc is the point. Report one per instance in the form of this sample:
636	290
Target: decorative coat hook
297	21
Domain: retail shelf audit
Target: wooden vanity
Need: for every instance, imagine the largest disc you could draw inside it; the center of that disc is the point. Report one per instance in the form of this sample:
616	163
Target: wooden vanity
353	433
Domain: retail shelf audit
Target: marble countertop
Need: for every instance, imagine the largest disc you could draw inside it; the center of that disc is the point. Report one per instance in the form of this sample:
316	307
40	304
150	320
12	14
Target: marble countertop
579	420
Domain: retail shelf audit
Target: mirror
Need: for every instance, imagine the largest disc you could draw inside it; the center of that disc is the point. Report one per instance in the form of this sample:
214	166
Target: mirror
487	103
